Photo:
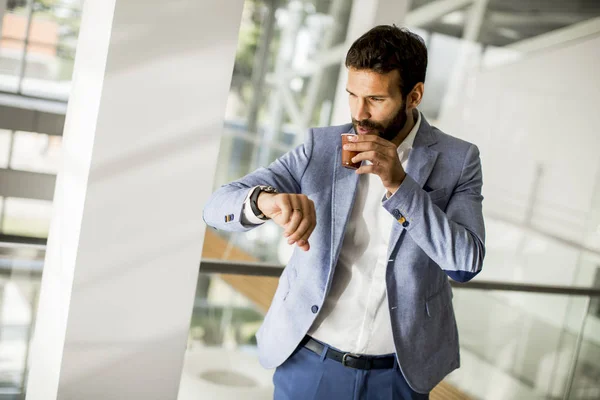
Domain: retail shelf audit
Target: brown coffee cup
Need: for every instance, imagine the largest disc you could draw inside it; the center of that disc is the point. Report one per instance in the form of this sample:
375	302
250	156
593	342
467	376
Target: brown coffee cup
348	155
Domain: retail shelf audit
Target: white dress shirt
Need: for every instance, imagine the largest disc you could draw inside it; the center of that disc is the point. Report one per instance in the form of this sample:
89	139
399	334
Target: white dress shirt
355	316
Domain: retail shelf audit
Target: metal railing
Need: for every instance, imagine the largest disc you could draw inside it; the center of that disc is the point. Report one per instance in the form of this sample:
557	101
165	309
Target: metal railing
209	266
11	245
19	259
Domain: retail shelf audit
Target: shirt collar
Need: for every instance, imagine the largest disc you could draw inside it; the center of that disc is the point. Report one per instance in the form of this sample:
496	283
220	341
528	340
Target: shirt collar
408	141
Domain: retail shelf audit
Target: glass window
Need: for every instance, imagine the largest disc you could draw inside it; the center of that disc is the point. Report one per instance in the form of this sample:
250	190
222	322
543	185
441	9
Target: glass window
11	54
277	92
38	47
5	142
36	152
517	116
26	217
502	87
12	44
14	22
51	52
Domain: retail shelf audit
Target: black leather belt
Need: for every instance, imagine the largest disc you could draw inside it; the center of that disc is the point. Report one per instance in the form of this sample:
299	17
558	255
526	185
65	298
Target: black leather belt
350	360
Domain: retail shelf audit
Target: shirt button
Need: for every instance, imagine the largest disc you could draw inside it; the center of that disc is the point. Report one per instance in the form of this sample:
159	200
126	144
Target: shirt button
314	309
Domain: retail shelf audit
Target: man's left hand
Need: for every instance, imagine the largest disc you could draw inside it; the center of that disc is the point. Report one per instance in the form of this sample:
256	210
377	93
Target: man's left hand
383	155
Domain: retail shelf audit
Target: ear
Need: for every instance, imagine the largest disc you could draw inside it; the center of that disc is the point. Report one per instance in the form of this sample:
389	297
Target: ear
415	96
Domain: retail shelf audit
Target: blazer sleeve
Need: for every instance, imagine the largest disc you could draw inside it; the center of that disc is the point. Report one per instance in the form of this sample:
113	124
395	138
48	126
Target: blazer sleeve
454	240
225	207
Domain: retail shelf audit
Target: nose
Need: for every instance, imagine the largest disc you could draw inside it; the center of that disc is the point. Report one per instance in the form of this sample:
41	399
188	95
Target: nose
361	113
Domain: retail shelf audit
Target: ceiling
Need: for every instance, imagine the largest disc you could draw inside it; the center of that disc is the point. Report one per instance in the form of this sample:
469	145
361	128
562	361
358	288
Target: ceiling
509	21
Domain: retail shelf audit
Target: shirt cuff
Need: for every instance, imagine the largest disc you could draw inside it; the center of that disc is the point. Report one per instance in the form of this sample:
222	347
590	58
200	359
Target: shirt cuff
248	216
389	196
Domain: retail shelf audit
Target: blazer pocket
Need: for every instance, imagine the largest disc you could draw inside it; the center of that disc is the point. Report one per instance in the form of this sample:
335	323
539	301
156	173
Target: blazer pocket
435	304
437	194
283	288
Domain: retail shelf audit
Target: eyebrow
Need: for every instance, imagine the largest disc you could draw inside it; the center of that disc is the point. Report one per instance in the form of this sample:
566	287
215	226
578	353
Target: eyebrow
371	95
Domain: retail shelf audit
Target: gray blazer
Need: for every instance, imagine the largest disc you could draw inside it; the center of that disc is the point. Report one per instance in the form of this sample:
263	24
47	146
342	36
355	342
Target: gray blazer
440	233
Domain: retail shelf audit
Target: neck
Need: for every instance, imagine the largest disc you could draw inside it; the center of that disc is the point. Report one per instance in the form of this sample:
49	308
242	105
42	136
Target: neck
411	120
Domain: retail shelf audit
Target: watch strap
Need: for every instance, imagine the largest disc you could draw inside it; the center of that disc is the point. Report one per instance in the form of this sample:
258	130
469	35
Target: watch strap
254	200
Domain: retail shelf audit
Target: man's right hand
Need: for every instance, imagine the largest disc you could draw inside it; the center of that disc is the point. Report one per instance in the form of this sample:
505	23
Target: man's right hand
295	213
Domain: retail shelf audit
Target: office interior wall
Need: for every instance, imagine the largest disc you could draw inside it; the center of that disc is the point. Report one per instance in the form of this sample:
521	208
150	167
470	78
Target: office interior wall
535	121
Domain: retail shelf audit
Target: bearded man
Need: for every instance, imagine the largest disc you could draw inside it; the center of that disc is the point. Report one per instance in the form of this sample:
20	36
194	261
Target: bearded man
363	309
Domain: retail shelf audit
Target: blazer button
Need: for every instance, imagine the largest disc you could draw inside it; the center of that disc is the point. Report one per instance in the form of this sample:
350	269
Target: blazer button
314	309
405	224
396	214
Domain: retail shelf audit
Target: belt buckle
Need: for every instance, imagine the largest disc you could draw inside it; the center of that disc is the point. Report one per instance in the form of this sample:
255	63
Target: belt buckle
346	355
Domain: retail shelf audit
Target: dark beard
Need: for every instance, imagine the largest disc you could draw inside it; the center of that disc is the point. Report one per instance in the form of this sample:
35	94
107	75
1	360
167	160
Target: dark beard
386	132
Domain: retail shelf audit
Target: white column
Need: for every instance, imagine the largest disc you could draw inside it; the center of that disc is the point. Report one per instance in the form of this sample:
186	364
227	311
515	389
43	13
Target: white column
140	148
365	15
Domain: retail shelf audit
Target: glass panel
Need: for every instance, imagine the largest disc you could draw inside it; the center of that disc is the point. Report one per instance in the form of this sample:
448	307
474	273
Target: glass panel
12	43
36	152
274	79
527	345
27	217
20	273
271	86
51	50
541	213
14	23
4	147
525	342
493	88
221	361
586	373
11	55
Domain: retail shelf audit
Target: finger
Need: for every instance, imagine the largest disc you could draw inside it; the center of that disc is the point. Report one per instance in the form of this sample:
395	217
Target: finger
368	146
369	169
295	218
285	206
307	220
313	223
304	222
373	156
300	231
305	247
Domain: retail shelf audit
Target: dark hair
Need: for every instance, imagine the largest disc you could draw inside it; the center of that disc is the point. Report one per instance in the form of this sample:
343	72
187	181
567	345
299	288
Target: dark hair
386	48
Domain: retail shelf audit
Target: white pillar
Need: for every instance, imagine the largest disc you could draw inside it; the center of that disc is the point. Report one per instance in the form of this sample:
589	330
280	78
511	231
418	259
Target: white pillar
141	140
365	15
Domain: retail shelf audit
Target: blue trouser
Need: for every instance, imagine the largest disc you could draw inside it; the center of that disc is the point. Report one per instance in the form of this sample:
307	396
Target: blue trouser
308	376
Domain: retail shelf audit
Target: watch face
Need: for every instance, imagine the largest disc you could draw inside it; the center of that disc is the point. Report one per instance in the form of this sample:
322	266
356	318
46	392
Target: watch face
268	189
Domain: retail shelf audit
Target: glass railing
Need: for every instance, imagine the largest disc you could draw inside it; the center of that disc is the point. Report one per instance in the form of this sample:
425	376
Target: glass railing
526	343
518	341
20	277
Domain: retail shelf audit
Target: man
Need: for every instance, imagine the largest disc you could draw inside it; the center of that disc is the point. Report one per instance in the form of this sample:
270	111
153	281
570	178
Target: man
363	310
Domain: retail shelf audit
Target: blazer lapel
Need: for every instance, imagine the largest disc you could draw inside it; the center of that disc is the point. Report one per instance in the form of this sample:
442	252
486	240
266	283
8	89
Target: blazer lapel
420	165
344	185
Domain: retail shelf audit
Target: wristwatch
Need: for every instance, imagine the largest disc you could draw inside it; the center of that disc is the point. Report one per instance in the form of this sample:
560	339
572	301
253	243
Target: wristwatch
254	200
